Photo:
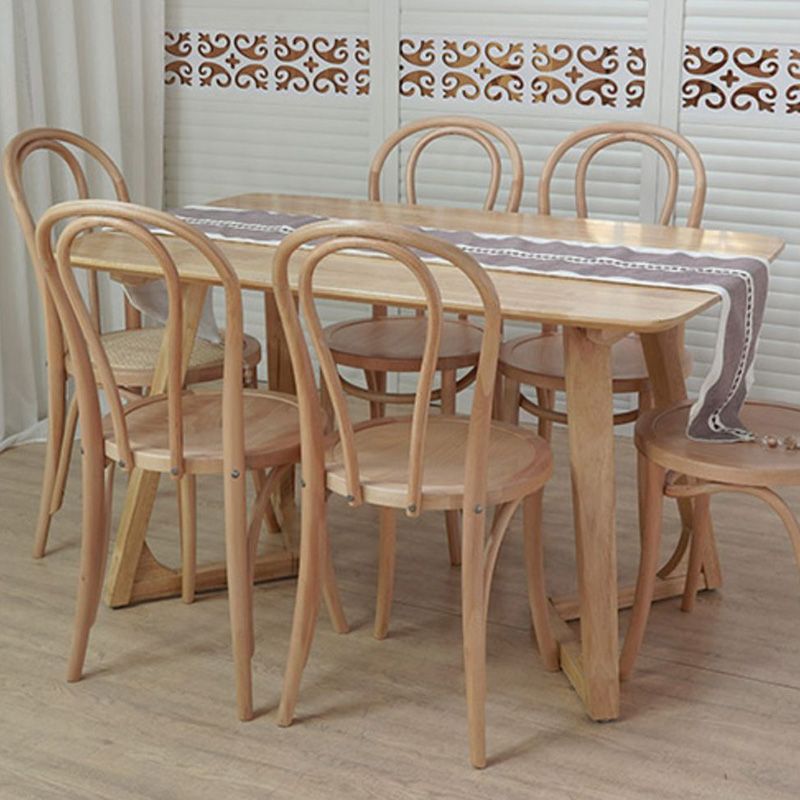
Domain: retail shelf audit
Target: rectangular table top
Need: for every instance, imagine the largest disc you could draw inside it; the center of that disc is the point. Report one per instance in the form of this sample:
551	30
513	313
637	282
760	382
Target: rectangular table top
369	279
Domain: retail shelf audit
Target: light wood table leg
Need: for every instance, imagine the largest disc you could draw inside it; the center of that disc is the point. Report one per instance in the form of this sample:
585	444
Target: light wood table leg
135	573
594	669
663	352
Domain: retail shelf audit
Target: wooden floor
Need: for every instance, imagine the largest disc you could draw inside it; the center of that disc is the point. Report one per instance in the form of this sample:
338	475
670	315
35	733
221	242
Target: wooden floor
713	711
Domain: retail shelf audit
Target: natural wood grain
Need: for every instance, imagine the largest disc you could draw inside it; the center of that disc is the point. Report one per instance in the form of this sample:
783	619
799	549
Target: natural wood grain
537	361
415	463
171	430
664	440
662	352
716	692
603	307
66	146
706	469
587	369
659	139
135	350
390	344
629	234
594	304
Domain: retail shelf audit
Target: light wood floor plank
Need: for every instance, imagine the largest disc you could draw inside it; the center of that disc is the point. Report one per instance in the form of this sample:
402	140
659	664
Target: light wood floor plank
712	712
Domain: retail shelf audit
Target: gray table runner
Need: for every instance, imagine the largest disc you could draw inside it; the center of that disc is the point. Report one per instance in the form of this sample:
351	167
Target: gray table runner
741	283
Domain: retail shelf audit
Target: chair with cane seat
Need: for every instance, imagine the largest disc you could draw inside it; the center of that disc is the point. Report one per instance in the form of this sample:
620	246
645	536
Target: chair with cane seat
394	344
132	352
178	431
537	359
423	462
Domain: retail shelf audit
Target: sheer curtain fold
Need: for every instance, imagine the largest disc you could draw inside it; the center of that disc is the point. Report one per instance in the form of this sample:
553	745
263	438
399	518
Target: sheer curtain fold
94	67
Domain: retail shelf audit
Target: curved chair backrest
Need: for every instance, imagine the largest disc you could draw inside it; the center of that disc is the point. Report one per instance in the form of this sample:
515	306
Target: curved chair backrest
653	136
478	130
83	338
63	144
405	247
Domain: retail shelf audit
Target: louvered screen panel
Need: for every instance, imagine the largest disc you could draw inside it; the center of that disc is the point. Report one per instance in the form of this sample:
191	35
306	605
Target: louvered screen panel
751	147
223	140
457	172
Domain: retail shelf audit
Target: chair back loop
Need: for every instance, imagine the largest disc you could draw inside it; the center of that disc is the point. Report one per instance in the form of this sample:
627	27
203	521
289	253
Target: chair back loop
63	144
662	141
86	349
433	128
313	243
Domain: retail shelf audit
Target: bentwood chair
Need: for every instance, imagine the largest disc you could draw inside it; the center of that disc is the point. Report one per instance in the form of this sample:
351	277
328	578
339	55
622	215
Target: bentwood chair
395	344
418	463
537	359
673	465
177	431
132	353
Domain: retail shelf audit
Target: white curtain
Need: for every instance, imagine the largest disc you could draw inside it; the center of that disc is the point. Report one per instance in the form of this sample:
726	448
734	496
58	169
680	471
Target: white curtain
94	67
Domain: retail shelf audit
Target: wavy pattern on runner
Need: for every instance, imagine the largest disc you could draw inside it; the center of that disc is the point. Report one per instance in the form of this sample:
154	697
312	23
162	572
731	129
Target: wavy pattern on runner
741	282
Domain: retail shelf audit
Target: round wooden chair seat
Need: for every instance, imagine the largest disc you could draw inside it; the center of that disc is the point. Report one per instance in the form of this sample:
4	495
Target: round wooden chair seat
133	355
661	436
395	344
519	462
538	360
272	431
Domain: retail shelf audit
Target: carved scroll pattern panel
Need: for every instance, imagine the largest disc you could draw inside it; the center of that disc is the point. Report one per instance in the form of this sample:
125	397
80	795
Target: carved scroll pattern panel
523	72
743	79
276	63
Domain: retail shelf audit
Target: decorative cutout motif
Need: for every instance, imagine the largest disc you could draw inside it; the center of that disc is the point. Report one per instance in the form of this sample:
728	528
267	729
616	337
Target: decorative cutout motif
523	71
744	78
288	63
177	69
793	90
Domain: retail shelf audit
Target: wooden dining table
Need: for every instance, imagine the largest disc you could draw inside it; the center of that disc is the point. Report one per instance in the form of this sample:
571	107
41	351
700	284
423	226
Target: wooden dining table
594	315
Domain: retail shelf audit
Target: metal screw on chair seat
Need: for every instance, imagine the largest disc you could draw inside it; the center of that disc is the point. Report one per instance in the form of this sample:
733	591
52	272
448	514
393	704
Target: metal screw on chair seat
235	473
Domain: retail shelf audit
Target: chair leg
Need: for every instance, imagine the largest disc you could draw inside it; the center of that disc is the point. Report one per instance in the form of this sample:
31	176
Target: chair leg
533	539
697	550
452	518
650	523
109	502
273	526
187	508
452	521
57	387
497	399
330	587
546	398
645	400
510	403
327	406
386	563
65	456
93	551
376	382
307	599
473	621
240	590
